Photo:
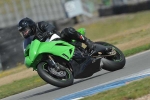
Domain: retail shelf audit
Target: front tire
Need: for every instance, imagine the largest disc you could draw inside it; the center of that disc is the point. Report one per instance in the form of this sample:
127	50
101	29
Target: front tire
43	72
115	62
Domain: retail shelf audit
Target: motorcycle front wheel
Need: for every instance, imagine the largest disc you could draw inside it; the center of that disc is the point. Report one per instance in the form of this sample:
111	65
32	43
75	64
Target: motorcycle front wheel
61	78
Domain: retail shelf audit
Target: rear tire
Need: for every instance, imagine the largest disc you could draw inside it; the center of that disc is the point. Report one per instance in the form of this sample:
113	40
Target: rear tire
115	62
45	75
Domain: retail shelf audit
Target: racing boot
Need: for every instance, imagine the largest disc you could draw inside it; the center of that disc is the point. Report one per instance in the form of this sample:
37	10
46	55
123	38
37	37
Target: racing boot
89	43
91	46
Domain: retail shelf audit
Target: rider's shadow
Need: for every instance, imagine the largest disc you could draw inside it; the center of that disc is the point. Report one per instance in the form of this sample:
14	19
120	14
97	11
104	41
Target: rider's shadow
85	79
58	88
40	93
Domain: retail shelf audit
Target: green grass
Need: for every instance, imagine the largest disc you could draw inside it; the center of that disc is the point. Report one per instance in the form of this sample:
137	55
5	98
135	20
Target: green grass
98	30
133	51
130	37
113	25
19	68
20	86
128	92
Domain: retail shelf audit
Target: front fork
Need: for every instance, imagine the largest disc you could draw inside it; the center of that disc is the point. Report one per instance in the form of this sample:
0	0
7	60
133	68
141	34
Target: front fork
51	61
55	68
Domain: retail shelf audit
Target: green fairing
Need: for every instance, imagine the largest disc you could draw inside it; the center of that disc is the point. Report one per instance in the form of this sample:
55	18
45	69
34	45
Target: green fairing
27	50
81	31
58	48
34	51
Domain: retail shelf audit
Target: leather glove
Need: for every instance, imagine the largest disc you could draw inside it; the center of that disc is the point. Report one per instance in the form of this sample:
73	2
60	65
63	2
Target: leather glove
69	30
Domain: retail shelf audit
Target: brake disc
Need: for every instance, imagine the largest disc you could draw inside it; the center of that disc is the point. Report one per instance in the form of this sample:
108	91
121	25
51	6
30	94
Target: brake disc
57	73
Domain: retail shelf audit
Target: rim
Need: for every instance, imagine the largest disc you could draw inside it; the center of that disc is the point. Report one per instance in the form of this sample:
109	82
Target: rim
48	69
117	57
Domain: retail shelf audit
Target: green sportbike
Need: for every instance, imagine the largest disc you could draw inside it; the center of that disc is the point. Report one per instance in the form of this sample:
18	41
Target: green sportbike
58	62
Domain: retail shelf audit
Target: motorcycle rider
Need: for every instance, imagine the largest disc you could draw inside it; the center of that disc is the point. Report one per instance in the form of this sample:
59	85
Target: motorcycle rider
44	30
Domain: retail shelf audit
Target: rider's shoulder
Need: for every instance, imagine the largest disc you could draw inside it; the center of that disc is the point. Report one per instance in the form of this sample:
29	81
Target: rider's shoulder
44	23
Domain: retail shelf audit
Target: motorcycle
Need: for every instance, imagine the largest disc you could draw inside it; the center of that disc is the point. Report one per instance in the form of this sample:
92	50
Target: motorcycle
58	62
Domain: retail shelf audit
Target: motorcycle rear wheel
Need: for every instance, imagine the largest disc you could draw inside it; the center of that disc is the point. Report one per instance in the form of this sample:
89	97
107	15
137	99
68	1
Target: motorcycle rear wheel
43	72
113	63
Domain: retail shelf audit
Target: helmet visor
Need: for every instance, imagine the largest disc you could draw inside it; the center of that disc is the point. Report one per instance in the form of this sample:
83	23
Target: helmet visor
25	32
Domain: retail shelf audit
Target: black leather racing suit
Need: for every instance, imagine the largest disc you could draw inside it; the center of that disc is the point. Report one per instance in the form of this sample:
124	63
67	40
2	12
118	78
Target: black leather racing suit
42	32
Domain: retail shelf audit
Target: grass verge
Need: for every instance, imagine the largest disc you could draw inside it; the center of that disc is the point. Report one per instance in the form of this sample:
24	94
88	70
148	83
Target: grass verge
20	86
19	68
128	92
136	50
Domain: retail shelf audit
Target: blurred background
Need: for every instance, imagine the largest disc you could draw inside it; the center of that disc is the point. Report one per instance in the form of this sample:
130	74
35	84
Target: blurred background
61	13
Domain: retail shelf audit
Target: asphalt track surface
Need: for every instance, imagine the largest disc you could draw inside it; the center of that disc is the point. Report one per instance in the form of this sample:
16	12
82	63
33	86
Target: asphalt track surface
134	64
